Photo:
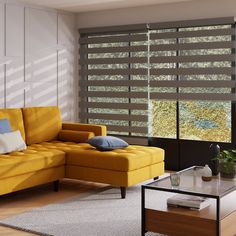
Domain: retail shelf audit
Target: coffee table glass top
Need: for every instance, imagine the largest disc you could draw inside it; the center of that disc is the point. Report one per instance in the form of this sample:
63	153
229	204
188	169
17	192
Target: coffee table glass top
191	182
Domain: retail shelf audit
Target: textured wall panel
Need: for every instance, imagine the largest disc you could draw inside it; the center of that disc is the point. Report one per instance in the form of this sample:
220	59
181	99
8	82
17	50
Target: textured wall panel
15	52
40	49
66	62
41	94
2	34
40	56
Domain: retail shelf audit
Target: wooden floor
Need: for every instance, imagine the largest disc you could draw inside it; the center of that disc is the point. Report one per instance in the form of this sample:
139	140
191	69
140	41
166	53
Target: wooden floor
19	202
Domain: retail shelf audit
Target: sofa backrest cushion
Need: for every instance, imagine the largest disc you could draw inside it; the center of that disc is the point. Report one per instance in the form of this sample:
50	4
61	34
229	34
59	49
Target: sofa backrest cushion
42	124
14	115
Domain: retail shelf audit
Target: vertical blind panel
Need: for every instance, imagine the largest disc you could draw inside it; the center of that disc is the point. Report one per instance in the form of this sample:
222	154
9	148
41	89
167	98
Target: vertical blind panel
113	82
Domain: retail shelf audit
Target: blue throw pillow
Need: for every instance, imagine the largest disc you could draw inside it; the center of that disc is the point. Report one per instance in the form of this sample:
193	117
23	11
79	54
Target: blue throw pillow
106	143
5	126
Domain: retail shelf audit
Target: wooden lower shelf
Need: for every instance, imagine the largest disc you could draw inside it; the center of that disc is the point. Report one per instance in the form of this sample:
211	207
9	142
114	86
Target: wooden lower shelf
182	221
175	224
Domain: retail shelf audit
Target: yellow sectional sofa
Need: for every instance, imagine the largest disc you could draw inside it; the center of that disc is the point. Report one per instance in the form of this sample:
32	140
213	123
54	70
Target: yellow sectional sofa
57	150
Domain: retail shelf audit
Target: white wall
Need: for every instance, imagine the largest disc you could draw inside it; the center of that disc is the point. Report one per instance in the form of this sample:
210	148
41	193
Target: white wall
38	58
196	9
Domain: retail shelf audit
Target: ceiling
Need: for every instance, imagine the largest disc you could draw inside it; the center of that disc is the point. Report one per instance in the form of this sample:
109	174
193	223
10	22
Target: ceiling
97	5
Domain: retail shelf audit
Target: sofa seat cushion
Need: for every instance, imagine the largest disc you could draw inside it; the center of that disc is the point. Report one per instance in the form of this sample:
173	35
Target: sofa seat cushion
30	160
127	159
58	145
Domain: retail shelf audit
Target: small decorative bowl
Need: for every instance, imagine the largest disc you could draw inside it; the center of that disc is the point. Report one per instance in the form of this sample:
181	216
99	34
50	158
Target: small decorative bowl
206	178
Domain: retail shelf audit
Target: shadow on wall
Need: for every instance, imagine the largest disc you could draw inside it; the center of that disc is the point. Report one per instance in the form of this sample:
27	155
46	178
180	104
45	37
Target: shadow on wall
66	96
41	79
2	87
46	83
15	83
41	46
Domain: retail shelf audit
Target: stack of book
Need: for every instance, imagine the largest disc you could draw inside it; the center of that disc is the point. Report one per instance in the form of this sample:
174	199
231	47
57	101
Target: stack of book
188	201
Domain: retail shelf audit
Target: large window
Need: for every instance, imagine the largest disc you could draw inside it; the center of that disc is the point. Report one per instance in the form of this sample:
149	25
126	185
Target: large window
196	65
167	80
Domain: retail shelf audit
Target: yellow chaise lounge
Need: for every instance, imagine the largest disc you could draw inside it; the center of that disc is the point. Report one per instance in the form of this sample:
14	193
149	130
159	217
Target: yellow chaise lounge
57	150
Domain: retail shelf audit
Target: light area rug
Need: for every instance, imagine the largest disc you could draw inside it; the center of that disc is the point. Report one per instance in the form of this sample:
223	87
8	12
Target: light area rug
102	213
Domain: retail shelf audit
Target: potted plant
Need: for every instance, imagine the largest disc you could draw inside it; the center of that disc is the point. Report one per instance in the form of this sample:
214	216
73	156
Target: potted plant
227	163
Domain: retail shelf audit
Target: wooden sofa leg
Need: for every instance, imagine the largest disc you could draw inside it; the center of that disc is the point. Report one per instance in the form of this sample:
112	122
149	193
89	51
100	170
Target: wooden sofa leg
123	192
56	185
156	178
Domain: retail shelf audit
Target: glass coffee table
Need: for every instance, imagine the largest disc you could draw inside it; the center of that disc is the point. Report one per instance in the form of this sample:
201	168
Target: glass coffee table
217	219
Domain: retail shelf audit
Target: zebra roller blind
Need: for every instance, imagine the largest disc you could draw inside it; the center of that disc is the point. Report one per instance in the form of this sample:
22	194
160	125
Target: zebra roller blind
122	70
114	81
193	62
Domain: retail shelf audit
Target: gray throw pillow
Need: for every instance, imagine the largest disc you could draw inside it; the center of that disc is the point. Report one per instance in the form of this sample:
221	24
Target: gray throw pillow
107	143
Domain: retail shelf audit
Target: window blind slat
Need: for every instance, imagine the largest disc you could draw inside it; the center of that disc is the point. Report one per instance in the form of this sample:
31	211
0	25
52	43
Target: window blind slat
140	118
135	140
141	71
113	39
194	83
136	28
192	46
194	71
123	60
160	59
115	94
143	130
141	48
194	96
112	105
114	83
196	58
195	33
